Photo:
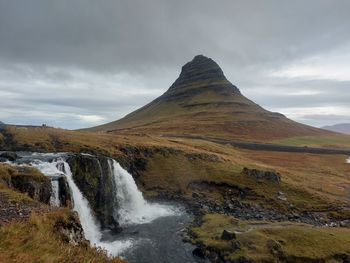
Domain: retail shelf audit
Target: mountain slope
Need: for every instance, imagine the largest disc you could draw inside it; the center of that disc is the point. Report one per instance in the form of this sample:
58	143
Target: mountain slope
203	102
342	128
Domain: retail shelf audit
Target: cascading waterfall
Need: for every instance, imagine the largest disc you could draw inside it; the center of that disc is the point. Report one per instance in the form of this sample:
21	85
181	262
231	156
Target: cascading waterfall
133	208
81	205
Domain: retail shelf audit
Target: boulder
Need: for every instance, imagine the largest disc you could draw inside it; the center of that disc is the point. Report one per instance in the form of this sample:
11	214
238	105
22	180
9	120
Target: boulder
198	252
228	235
259	174
11	156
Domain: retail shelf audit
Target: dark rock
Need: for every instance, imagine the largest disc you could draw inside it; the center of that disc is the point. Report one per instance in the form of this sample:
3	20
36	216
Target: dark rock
65	194
71	230
198	252
11	156
39	190
259	174
200	69
95	179
3	159
195	195
228	235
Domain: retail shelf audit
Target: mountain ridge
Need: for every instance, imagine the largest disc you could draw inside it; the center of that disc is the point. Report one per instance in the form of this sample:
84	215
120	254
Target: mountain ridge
340	127
202	101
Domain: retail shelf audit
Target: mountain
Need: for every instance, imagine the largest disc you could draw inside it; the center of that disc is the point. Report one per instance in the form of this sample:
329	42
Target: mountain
203	102
342	128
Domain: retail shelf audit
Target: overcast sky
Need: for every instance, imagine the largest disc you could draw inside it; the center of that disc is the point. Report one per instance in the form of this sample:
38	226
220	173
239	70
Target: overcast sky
79	63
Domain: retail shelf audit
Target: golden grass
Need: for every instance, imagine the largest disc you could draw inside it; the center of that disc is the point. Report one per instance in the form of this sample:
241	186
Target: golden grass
330	141
309	180
264	241
8	171
37	241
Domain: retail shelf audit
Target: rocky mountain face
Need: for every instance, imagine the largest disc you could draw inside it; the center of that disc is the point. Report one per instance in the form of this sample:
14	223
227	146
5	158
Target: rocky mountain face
203	102
197	76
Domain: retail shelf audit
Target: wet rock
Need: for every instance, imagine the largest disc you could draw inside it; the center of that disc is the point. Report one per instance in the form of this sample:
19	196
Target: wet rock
95	179
259	174
3	159
198	252
65	194
228	235
71	230
345	223
11	156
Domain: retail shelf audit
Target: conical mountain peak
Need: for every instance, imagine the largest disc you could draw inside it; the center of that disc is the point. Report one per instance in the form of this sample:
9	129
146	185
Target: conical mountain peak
199	75
203	102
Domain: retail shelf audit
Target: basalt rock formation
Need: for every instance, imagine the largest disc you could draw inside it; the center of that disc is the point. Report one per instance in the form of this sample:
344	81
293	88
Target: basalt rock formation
94	177
203	102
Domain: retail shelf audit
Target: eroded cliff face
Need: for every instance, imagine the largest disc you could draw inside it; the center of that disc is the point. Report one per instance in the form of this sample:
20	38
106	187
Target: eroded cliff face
94	177
26	180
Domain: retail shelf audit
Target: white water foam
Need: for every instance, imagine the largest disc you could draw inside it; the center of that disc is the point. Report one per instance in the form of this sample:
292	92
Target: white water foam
133	208
348	160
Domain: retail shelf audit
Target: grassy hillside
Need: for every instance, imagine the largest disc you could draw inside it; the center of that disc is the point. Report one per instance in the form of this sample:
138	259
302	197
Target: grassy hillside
272	242
203	102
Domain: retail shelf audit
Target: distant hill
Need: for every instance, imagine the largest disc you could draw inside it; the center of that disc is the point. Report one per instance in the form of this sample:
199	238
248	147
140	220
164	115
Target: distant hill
342	128
203	102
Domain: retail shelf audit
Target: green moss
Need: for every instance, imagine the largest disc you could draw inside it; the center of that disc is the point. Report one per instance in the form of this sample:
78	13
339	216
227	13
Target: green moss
266	241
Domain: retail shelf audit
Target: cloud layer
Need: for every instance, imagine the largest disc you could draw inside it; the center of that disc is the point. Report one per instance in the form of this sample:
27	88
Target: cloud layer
80	63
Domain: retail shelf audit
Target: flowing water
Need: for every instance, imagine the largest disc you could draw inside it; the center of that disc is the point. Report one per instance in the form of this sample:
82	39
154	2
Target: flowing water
348	160
152	232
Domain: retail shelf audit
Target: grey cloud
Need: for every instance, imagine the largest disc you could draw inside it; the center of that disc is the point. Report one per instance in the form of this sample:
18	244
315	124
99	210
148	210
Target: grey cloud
69	58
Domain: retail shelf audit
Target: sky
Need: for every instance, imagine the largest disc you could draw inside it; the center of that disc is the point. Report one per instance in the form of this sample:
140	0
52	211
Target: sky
80	63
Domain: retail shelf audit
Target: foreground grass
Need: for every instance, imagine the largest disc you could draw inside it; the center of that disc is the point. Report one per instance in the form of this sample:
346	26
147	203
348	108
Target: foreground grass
37	241
272	242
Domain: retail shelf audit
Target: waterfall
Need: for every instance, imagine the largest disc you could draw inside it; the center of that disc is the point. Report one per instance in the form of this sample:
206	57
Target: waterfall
81	205
133	208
